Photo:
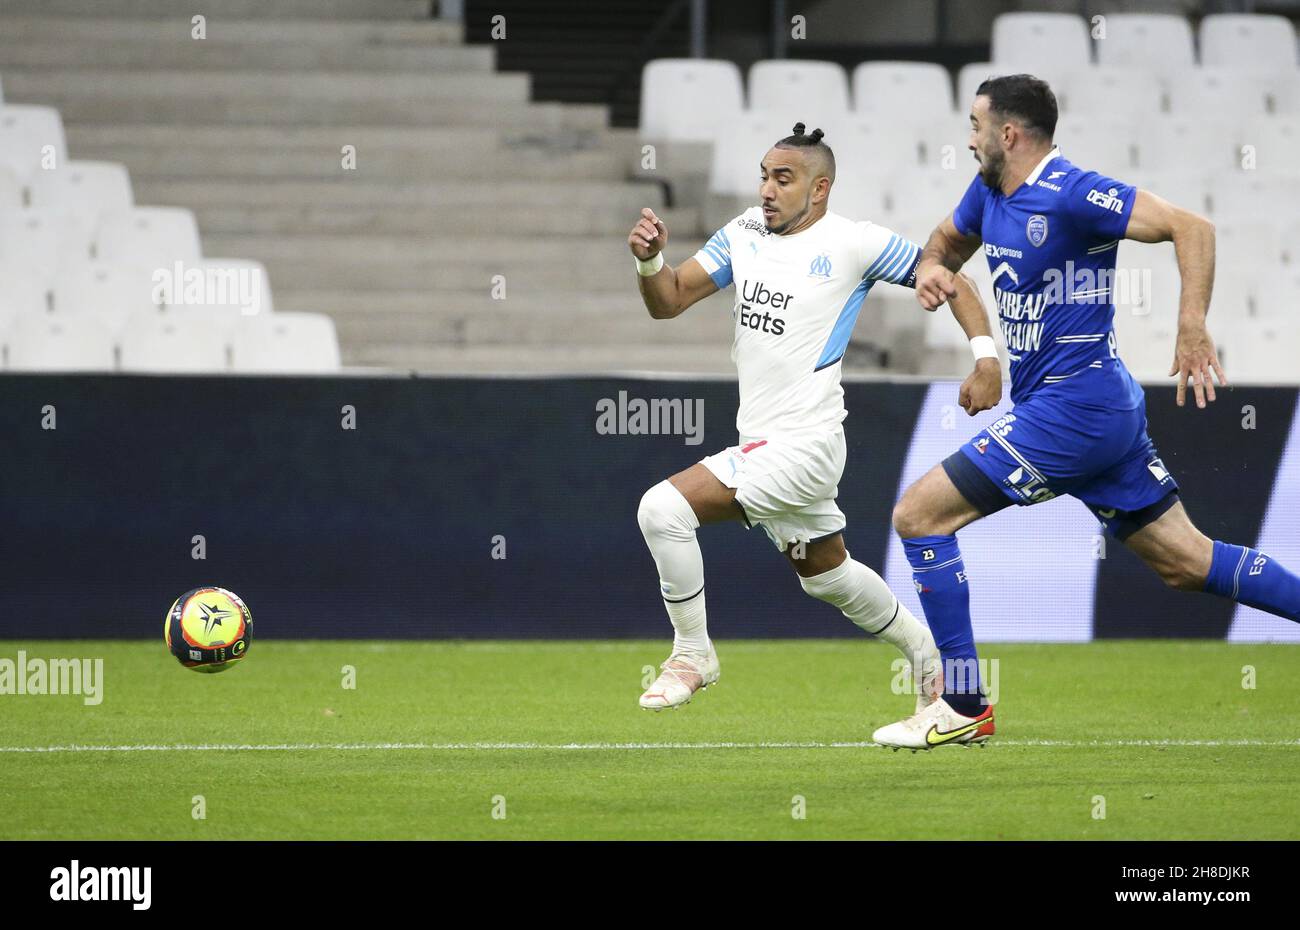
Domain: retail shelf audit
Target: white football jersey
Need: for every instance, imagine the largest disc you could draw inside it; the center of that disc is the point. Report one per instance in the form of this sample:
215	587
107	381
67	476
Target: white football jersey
797	299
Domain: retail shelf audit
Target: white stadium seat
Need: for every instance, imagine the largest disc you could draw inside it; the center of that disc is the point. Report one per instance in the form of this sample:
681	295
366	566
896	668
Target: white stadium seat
910	91
11	189
31	137
1055	40
1282	89
1276	142
919	198
1197	144
21	294
153	236
1097	144
1132	40
1277	297
1263	351
1187	189
969	78
171	342
868	149
1291	244
112	292
683	99
946	144
59	343
230	287
1111	93
742	143
285	343
1235	298
1203	91
815	93
84	188
1249	195
1247	240
43	239
1249	41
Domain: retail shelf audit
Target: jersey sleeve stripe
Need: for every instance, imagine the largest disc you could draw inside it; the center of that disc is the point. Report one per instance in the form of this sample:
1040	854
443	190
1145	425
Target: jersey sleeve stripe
886	256
898	270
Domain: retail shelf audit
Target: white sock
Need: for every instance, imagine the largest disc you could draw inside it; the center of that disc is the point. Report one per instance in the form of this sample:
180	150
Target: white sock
864	598
668	524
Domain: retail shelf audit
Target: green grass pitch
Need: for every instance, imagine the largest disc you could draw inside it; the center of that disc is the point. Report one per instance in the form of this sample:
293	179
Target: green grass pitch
436	737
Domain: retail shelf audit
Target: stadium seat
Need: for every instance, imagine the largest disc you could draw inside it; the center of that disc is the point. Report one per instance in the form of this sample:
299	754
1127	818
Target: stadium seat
1132	37
59	343
1203	91
285	343
741	144
43	239
1203	145
152	236
112	292
867	149
815	93
946	144
1097	144
83	188
1277	297
11	190
1052	40
21	294
29	137
1248	195
919	198
906	91
1263	351
1275	140
231	287
1291	244
1235	298
1111	93
1187	189
1248	239
682	99
1251	41
178	343
1282	89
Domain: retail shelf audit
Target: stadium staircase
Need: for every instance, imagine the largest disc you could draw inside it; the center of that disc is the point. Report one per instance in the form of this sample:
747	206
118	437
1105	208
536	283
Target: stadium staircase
459	175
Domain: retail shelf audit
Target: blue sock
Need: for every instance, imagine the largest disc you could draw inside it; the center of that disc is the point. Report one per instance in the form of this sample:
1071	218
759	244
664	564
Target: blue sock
940	578
1249	577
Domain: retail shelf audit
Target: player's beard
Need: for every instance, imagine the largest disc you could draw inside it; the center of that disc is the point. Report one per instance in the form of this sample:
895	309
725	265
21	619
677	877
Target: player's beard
992	164
807	205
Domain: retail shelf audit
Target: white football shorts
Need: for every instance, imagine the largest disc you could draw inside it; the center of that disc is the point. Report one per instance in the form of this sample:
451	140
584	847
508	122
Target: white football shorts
786	484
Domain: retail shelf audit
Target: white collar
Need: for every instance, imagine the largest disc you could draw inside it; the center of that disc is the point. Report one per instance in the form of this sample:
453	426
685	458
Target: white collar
1033	175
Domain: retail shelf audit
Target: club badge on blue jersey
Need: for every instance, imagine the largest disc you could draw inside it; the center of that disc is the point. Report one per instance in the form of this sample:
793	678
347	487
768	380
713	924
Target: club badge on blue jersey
1036	229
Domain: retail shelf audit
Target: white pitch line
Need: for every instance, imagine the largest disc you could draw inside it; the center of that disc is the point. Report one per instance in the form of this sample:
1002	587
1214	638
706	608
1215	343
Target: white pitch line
605	747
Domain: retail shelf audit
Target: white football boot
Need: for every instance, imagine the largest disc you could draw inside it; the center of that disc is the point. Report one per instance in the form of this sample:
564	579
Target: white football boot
937	725
681	675
931	674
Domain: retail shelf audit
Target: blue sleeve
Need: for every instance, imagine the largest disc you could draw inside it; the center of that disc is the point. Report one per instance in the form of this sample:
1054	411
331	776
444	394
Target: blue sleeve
969	215
1100	206
715	258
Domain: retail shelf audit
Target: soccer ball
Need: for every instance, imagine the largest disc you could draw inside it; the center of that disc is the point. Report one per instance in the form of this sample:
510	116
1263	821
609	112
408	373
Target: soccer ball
208	629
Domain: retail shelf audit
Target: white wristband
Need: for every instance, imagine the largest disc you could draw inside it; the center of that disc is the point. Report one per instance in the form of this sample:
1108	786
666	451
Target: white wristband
984	347
648	268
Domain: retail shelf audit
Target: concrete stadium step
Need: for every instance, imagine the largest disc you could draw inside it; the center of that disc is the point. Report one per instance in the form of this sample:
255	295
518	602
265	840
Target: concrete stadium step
57	84
183	53
360	191
452	263
397	164
276	34
505	327
526	360
275	111
493	219
217	9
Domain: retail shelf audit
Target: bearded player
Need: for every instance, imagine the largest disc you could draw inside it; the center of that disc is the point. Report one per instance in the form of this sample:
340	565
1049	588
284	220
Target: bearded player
1051	232
801	273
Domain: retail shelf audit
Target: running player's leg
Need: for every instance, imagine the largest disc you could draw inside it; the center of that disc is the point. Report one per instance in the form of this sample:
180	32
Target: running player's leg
927	519
669	514
829	573
1187	559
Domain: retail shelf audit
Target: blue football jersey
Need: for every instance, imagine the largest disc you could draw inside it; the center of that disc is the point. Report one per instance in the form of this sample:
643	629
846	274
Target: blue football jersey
1051	246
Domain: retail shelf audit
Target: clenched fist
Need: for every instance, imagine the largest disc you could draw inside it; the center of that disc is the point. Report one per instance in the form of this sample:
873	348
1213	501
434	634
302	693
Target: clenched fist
648	237
935	285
